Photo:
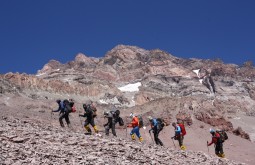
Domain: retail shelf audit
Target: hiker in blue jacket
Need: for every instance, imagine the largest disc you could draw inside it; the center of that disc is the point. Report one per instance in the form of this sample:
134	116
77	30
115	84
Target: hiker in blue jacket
63	109
156	127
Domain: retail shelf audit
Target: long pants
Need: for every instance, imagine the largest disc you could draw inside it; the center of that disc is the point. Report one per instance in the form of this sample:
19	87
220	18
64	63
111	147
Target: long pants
110	125
180	139
219	148
157	140
136	131
92	123
61	117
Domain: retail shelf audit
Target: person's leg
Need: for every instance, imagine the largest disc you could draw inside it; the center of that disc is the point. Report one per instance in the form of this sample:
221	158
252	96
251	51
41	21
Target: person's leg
92	122
86	126
137	132
155	137
181	141
67	119
132	133
61	120
217	150
107	128
159	141
221	150
113	129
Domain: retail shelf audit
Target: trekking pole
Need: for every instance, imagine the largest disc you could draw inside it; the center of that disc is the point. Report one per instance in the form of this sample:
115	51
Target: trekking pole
207	147
173	141
126	127
51	115
151	137
80	121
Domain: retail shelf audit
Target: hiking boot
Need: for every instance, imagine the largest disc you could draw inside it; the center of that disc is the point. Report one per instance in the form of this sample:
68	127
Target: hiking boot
87	128
95	128
140	139
221	155
183	147
133	137
62	125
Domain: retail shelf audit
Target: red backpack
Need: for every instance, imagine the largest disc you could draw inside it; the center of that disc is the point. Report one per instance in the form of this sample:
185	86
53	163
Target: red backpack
183	130
73	109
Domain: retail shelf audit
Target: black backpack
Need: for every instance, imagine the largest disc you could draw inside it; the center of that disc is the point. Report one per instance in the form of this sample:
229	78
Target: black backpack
223	135
68	108
121	122
117	118
161	123
140	119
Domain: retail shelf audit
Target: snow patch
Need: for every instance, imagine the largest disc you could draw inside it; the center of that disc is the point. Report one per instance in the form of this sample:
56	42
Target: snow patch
197	72
40	74
130	87
103	101
201	81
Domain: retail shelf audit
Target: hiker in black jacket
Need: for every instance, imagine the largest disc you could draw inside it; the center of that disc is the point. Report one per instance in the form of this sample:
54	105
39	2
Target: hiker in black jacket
89	110
64	110
113	118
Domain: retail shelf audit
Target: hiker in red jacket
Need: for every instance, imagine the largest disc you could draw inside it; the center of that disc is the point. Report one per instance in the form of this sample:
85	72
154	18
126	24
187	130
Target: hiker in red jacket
216	140
135	125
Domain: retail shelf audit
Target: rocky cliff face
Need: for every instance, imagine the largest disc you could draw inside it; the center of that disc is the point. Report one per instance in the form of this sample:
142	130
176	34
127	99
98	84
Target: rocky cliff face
148	82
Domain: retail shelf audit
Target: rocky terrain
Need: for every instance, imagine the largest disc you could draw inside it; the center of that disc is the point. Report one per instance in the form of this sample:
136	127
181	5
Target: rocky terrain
132	79
29	142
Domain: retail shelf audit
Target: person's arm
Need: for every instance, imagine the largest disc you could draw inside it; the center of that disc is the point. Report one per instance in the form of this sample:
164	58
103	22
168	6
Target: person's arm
214	140
59	108
84	115
132	123
106	123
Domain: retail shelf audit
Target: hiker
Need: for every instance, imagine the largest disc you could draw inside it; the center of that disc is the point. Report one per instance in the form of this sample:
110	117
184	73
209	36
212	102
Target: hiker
179	134
156	127
135	125
113	118
89	112
64	109
218	143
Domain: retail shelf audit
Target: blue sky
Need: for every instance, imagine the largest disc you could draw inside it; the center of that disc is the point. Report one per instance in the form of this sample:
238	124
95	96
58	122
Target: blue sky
34	32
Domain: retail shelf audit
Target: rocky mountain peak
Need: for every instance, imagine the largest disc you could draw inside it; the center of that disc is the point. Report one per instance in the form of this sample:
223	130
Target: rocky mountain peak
82	58
50	66
126	52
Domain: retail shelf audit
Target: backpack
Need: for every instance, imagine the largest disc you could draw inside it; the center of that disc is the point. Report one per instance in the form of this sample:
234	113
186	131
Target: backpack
73	107
183	130
223	135
140	121
116	116
67	107
92	109
121	122
161	123
62	106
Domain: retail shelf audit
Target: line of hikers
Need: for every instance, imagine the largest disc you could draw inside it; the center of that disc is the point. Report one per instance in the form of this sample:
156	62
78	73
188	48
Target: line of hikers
113	117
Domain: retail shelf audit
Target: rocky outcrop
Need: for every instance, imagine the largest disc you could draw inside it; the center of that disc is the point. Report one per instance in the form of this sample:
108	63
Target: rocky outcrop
239	132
